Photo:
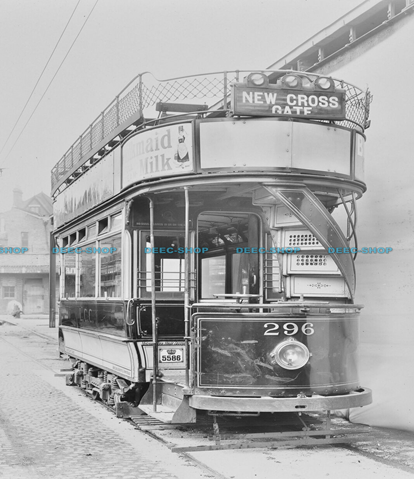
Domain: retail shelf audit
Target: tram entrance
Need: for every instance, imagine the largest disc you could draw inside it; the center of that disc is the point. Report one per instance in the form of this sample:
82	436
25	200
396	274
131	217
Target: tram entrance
226	269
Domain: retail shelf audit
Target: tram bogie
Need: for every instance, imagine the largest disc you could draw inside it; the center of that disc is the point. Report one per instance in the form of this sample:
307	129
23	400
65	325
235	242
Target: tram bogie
201	277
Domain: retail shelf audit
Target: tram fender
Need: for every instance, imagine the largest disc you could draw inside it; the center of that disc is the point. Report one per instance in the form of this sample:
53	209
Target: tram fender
126	410
173	403
185	414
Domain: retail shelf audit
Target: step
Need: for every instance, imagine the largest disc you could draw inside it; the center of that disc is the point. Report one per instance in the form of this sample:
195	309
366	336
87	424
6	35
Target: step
163	413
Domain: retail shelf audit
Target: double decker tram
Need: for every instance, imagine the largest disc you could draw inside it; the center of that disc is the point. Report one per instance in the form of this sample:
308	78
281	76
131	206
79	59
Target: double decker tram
201	266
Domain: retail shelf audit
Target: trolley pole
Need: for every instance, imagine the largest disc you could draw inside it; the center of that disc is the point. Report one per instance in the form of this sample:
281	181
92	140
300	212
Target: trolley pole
153	311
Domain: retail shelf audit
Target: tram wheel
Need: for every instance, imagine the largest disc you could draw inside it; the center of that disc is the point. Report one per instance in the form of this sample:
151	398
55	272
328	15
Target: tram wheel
95	395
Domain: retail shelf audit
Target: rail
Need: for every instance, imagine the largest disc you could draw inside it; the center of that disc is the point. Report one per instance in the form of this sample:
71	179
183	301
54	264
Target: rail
145	91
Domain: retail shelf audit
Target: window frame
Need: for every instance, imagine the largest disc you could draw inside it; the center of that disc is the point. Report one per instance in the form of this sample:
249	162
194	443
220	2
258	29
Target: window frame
82	240
229	252
4	293
140	281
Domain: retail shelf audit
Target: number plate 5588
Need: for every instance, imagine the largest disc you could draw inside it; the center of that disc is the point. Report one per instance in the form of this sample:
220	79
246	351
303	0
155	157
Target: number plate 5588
288	329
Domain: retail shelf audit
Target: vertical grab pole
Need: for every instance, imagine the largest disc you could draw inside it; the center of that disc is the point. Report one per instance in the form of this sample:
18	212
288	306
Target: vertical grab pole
52	283
153	312
187	285
225	91
141	106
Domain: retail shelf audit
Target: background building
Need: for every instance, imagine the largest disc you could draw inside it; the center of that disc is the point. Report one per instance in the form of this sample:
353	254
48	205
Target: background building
24	278
373	45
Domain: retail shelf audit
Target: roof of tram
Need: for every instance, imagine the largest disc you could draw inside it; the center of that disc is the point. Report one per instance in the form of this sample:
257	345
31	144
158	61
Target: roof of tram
145	97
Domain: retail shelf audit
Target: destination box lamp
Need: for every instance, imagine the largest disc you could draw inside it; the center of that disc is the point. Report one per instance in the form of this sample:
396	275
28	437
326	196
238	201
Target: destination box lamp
292	95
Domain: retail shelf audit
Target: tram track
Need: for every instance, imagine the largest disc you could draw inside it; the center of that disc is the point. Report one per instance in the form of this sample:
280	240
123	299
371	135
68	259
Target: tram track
196	462
377	448
188	456
44	336
38	361
368	447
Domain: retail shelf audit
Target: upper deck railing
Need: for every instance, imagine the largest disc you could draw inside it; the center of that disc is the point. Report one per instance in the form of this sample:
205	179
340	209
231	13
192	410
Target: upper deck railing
140	96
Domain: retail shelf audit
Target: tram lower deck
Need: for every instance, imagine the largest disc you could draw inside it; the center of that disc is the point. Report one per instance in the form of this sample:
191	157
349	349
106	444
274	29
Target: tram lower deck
246	314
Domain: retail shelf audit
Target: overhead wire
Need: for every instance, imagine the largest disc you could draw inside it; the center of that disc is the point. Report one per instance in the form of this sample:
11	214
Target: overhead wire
40	76
51	81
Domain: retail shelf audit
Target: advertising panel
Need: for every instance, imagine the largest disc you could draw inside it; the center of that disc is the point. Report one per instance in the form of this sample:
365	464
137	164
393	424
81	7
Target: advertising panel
90	189
159	152
263	144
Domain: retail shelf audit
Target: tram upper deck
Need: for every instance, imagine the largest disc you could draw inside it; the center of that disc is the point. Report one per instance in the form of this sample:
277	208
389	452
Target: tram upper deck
312	105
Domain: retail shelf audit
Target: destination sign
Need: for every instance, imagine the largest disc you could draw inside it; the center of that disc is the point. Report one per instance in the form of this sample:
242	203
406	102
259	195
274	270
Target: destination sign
254	101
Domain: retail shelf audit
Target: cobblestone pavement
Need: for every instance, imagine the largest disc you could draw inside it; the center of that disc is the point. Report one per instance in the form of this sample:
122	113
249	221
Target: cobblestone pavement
49	432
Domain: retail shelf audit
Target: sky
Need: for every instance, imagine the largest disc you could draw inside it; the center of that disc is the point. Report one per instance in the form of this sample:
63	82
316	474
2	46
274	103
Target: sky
95	60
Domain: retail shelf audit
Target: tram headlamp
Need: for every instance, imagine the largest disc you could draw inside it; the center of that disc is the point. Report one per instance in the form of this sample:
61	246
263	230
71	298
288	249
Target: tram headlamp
258	79
324	83
290	354
292	81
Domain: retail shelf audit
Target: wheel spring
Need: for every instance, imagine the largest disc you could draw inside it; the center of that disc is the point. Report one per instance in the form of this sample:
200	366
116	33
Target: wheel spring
114	386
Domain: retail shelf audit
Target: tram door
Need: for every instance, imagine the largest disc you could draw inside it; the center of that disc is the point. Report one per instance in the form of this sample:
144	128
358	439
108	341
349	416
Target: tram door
169	282
228	267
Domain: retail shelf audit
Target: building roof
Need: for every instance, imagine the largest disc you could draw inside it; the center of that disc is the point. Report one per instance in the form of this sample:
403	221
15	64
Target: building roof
44	201
364	20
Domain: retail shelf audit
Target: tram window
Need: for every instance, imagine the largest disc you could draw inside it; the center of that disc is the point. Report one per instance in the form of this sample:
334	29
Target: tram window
240	273
169	264
72	239
213	276
172	274
103	226
110	267
91	231
81	234
70	274
116	222
224	270
87	269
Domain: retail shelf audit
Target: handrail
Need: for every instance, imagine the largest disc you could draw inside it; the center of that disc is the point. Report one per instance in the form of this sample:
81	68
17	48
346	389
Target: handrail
292	304
213	88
